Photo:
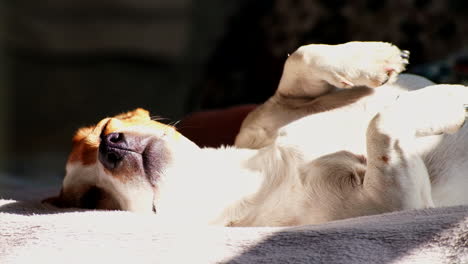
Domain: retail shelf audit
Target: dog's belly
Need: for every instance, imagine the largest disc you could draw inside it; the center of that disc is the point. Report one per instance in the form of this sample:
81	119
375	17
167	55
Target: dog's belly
320	135
446	158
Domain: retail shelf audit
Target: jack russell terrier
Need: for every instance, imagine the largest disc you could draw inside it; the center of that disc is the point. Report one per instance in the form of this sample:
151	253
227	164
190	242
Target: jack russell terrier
343	136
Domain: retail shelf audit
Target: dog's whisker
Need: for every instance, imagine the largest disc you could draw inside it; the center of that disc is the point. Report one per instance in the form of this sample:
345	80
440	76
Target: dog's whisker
175	123
158	118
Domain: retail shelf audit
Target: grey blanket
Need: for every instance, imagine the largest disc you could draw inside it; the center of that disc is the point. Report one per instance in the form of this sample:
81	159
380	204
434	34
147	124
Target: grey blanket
34	233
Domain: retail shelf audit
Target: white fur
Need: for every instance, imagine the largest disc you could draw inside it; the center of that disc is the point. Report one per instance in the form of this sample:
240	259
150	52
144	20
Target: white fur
305	165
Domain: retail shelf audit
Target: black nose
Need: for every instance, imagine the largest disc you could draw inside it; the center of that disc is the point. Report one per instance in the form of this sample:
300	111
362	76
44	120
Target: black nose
114	138
112	149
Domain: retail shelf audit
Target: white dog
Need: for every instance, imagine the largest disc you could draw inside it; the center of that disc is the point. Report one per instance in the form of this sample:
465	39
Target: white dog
316	151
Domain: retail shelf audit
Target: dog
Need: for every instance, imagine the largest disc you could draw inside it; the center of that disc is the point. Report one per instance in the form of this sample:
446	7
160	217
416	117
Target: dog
345	135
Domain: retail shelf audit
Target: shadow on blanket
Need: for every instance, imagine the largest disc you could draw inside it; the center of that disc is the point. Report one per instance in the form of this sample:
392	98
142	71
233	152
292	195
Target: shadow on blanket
34	208
420	236
33	231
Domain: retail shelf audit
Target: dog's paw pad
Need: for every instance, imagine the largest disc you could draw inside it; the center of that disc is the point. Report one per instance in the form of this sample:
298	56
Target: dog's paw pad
370	64
385	66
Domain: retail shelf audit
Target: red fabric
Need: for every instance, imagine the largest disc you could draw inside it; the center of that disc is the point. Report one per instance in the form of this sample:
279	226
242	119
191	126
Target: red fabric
214	128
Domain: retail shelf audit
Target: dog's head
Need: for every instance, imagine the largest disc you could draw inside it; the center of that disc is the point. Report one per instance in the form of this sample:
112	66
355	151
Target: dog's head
120	162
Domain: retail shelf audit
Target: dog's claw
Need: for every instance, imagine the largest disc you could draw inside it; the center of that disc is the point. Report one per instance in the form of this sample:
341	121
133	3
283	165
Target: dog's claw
405	54
385	81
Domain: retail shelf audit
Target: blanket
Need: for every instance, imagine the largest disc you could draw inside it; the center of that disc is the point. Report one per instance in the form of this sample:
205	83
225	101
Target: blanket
31	232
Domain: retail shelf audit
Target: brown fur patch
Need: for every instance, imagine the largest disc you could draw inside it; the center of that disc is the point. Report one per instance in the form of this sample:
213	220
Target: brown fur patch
85	144
82	150
385	159
84	153
133	118
137	114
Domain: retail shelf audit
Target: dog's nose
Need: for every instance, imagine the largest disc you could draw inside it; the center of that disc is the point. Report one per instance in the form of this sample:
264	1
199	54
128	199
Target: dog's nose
112	149
114	138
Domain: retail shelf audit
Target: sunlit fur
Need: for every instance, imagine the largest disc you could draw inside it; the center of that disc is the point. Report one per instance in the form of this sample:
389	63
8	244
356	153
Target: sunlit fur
300	163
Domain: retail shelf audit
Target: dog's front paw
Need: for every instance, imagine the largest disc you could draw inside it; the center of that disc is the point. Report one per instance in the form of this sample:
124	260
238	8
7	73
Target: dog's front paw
370	64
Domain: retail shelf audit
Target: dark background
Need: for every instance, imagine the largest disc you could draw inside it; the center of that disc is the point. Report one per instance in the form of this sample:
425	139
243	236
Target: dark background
69	63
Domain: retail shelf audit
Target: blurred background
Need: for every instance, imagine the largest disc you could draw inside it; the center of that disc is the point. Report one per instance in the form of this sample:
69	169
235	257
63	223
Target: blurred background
69	63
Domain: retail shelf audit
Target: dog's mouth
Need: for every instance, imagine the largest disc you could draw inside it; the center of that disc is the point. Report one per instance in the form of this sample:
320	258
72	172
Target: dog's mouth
128	159
131	157
126	153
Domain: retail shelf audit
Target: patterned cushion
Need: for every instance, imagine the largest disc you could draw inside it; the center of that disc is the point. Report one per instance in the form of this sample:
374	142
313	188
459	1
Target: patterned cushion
247	65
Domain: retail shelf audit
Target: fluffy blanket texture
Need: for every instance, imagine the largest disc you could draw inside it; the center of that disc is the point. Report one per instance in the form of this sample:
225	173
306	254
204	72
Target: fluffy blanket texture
31	232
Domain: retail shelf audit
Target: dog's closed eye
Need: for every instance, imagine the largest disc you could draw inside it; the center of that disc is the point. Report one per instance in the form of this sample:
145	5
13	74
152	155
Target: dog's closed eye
91	198
97	198
86	197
